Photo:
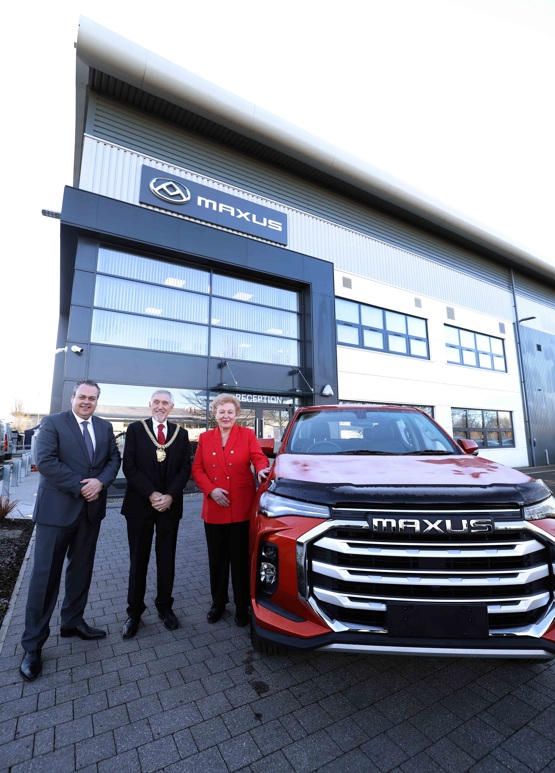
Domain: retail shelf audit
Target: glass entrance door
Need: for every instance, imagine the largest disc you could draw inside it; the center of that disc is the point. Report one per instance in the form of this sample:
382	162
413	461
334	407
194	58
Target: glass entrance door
268	422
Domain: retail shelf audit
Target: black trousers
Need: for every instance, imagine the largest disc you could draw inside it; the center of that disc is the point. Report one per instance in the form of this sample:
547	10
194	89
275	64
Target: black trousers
228	546
140	532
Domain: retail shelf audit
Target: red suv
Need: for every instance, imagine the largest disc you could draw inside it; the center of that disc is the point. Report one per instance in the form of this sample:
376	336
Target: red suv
378	533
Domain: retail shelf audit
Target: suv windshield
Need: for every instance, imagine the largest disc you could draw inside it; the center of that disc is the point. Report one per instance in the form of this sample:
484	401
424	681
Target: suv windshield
364	431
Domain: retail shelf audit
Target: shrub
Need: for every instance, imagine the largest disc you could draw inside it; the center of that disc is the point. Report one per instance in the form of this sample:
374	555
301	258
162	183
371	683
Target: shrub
6	506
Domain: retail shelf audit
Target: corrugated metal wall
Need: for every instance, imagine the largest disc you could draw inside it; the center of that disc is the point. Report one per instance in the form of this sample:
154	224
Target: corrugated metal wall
321	224
538	353
147	135
114	171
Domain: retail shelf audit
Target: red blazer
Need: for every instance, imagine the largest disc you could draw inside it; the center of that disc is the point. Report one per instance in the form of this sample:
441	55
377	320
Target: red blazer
228	468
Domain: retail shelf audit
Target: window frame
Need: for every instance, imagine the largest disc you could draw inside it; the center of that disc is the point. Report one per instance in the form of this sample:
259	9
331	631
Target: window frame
489	426
389	333
479	352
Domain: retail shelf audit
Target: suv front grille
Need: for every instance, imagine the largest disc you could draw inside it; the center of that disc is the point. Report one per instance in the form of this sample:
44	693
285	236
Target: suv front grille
352	573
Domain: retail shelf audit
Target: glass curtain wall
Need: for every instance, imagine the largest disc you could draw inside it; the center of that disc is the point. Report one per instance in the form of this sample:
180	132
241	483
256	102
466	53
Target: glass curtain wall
144	303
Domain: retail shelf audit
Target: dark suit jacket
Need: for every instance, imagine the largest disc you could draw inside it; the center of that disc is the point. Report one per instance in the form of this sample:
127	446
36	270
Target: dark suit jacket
63	462
146	474
228	468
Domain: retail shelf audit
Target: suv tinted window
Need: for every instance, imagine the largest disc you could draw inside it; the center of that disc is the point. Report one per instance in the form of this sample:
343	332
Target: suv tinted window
368	431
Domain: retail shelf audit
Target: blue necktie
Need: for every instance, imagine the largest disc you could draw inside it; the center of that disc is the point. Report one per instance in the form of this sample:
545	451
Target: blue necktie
88	439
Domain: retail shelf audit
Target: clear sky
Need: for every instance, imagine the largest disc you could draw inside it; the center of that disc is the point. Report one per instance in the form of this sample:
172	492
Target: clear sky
454	97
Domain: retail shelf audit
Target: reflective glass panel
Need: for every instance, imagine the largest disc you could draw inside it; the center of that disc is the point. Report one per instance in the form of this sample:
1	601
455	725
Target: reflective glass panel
229	344
492	439
416	327
157	271
458	417
346	311
505	419
395	322
117	329
451	335
347	334
467	339
453	355
243	316
484	360
482	343
497	346
507	439
373	339
478	437
469	357
397	343
474	418
140	298
252	292
371	316
418	348
491	418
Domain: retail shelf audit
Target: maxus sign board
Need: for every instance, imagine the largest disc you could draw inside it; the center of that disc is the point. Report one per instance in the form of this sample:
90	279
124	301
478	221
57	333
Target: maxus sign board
167	191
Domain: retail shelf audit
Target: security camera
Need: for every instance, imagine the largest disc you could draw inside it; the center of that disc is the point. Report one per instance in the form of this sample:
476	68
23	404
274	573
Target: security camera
77	349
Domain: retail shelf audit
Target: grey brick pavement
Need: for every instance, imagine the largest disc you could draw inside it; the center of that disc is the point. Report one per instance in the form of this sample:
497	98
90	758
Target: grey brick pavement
200	699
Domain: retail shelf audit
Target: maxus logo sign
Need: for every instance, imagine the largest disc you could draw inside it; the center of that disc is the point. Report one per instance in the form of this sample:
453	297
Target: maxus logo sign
213	206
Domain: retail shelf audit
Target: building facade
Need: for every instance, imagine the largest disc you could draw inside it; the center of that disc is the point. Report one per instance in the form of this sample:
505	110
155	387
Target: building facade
207	246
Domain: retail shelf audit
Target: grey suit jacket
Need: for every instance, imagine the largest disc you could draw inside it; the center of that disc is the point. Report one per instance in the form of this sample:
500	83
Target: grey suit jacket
63	462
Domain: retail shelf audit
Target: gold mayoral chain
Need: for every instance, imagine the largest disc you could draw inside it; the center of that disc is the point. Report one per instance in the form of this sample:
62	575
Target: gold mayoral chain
160	449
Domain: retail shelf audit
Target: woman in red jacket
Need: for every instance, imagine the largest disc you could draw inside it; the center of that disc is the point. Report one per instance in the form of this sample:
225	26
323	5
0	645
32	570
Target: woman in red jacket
222	471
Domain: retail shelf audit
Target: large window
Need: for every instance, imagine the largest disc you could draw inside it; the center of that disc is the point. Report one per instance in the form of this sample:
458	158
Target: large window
475	350
369	327
151	304
490	429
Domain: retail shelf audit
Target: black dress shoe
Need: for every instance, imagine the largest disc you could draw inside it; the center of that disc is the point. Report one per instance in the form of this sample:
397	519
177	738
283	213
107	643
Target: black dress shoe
31	665
83	631
214	614
169	619
242	618
130	627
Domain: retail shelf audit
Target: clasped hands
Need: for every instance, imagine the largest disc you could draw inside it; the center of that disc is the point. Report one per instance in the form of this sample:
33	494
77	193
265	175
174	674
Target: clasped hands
91	488
160	502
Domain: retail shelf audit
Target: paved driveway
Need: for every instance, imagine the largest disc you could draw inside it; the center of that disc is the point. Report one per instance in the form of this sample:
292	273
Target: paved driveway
200	699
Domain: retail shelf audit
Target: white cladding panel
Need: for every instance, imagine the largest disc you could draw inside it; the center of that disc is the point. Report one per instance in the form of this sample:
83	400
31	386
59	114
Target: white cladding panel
389	378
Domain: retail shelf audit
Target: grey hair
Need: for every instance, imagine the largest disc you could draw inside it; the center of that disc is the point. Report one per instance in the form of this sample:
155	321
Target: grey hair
162	392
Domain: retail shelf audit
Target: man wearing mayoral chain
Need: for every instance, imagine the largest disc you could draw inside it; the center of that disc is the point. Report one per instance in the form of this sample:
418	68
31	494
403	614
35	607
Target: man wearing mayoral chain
157	465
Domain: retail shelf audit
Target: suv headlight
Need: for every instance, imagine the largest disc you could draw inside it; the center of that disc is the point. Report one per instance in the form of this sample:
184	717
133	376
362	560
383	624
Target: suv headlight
273	506
537	512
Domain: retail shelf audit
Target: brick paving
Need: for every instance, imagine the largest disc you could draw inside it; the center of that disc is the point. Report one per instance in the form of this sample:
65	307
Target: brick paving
200	699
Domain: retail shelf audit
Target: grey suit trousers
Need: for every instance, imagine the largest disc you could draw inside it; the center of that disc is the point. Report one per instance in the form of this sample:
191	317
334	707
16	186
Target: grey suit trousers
52	544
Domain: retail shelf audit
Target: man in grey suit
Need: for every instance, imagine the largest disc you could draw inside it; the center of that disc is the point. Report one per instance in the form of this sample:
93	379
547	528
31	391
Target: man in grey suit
77	457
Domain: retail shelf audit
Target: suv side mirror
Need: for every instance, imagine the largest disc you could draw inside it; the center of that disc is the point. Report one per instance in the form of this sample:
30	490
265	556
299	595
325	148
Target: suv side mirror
468	446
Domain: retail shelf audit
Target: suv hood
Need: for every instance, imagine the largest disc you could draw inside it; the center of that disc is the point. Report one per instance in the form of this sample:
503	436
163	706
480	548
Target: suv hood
396	470
337	480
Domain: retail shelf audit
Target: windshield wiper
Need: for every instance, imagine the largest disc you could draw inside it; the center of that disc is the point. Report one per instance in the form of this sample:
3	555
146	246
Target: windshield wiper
429	452
365	452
